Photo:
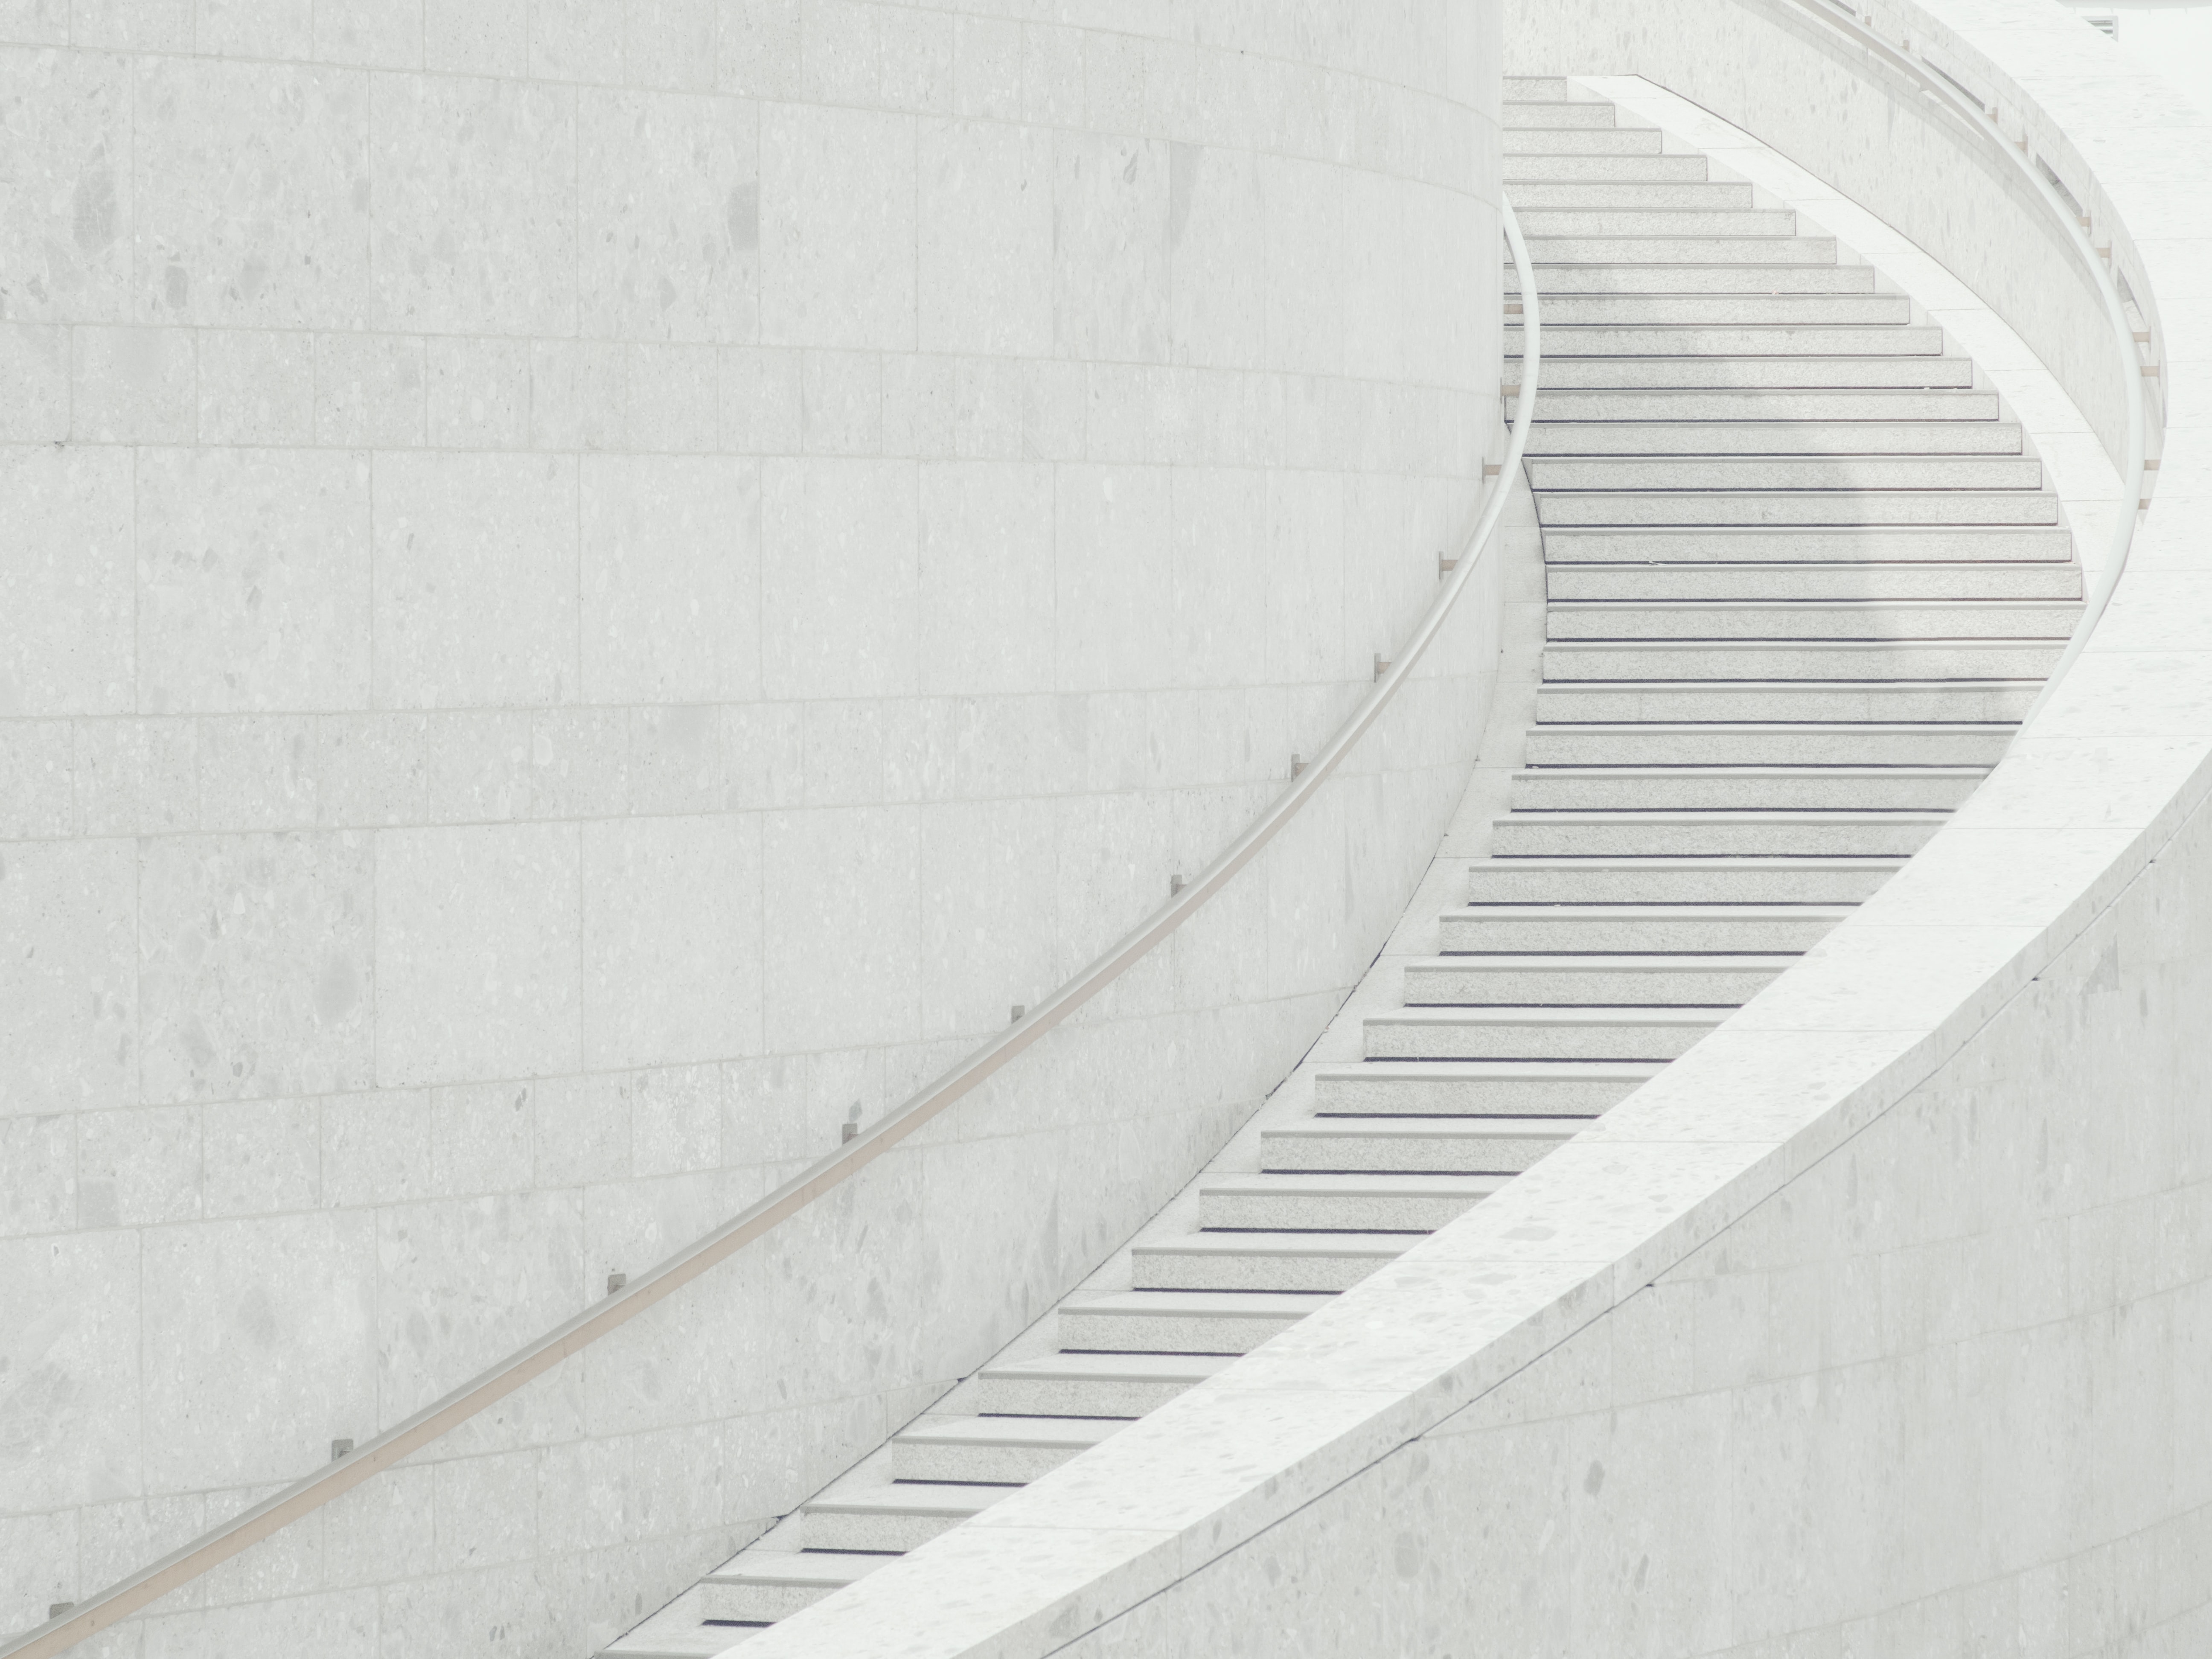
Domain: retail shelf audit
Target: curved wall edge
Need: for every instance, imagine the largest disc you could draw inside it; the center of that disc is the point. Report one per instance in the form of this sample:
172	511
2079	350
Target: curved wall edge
1874	1319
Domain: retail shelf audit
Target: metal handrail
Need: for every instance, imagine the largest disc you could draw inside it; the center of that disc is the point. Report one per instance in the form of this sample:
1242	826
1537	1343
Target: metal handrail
342	1474
1900	55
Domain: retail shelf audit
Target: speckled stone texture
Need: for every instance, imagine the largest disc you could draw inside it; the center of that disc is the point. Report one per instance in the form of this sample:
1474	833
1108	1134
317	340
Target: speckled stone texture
584	586
1877	1323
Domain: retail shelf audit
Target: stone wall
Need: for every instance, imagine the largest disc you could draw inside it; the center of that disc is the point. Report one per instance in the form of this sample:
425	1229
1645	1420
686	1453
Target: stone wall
1876	1323
585	587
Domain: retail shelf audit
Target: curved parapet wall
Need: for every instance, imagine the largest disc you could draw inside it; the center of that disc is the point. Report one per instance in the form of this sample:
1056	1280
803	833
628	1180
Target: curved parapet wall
582	596
1877	1320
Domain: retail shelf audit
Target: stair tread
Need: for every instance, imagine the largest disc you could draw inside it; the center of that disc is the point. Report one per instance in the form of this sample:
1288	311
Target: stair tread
1658	912
1107	1368
1480	962
1208	1304
1539	1015
1274	1243
1008	1431
1290	1183
808	1568
1725	769
905	1497
1501	1071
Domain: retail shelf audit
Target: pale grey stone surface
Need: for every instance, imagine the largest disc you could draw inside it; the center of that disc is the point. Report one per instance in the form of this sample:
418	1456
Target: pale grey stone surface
1874	1323
586	586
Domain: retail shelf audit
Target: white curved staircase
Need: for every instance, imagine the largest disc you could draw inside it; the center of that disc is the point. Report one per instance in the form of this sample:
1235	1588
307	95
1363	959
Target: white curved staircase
1801	579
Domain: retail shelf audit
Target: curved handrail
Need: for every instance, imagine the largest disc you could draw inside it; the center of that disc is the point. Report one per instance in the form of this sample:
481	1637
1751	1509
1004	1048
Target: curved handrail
340	1476
1900	56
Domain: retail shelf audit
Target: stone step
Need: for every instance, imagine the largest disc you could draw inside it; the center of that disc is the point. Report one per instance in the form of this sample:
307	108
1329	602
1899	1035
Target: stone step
1638	883
1648	1034
1554	225
1691	474
1704	441
1712	835
1625	929
1884	584
2002	702
1254	1260
1911	340
1605	169
1722	509
1177	1321
1475	1145
993	1450
1681	248
1688	374
1596	140
1647	279
767	1585
1759	412
1744	788
1556	114
1543	89
1478	1088
891	1520
1841	544
1726	311
1640	195
664	1640
1088	1384
1341	1203
1810	659
1524	980
1977	746
1683	620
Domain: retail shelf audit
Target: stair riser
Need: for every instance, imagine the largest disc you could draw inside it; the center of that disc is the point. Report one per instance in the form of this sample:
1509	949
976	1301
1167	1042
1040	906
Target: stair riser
1620	248
1390	1039
758	1604
1732	312
1716	196
1959	413
1672	224
1812	546
1336	1095
1679	373
1626	279
1911	507
1999	661
1565	437
1405	1154
1692	791
1599	936
1593	141
1545	836
1822	584
1503	884
1750	747
1536	88
1830	620
833	1531
1303	1212
1164	1270
1562	345
1093	1333
1874	705
1430	988
1072	1397
1690	473
1603	169
1552	115
996	1465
